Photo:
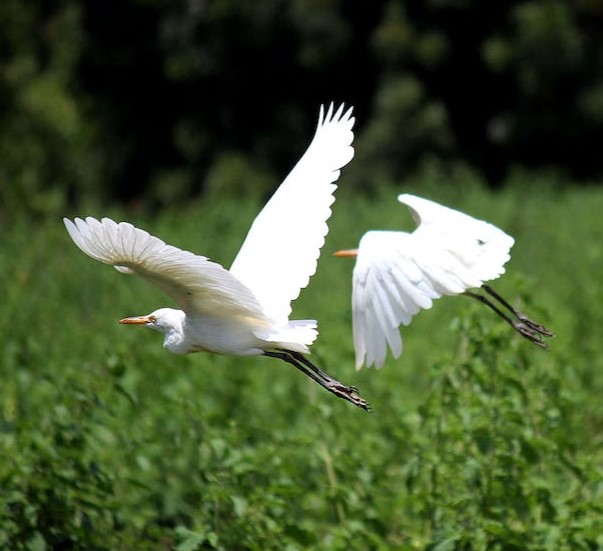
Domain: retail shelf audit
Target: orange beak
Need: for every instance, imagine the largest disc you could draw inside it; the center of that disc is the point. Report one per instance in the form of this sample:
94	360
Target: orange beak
348	253
136	320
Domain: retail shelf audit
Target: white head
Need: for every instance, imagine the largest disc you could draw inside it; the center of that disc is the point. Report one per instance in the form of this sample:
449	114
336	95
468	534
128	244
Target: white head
168	321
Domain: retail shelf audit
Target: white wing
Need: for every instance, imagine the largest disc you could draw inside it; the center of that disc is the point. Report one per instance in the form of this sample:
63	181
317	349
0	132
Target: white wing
282	247
397	274
195	283
480	248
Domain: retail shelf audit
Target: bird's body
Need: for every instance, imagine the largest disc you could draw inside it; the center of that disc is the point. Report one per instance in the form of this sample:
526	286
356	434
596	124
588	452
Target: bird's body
185	334
243	311
399	273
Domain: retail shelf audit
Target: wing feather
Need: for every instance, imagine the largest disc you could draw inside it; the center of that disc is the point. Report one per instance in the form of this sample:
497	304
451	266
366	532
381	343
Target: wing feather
198	285
281	250
397	274
476	250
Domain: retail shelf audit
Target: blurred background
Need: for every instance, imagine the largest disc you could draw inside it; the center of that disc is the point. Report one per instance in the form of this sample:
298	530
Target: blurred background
182	116
155	102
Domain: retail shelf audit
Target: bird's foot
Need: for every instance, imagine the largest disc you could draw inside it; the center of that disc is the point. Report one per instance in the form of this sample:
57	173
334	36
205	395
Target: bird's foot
534	326
530	333
349	393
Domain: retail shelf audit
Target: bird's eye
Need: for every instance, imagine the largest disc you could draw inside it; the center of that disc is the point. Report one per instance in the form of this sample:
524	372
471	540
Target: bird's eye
152	319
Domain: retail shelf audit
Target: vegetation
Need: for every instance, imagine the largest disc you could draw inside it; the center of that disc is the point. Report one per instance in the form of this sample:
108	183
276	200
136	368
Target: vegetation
150	100
147	110
478	440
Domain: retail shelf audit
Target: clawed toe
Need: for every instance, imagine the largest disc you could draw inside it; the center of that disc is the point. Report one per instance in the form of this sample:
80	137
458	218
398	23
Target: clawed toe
535	326
530	333
521	323
345	388
349	393
358	401
297	360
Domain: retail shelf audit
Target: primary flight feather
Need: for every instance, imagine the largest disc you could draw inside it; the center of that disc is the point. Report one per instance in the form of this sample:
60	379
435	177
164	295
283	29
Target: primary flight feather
245	310
398	273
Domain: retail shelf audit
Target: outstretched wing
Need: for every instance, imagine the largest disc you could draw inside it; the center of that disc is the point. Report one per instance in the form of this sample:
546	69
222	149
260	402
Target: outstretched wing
195	283
397	274
473	250
282	247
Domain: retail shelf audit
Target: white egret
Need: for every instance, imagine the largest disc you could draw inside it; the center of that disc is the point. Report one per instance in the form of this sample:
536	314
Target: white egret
399	273
243	311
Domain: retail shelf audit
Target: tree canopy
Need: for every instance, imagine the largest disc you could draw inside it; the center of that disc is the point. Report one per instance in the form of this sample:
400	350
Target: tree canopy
160	100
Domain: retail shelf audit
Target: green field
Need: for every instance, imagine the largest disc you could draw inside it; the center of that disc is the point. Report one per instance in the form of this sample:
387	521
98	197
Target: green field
477	439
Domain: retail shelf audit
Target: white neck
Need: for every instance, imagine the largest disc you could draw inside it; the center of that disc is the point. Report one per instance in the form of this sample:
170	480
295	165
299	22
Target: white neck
173	341
171	323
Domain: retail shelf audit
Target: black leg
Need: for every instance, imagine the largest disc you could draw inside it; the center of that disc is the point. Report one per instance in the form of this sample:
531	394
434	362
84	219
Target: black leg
519	315
522	324
301	358
299	361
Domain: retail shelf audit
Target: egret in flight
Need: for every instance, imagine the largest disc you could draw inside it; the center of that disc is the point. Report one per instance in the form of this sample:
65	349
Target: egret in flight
399	273
243	311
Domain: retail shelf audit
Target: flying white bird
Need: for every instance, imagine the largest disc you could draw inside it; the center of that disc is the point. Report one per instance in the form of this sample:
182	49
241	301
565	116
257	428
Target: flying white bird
243	311
399	273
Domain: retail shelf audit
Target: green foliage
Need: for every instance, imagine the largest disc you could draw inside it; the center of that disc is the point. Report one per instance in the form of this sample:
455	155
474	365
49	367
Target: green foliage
383	152
478	440
495	467
233	175
91	109
45	140
55	495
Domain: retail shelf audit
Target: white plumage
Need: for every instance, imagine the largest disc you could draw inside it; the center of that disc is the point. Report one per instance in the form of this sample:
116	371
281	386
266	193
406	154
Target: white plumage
244	310
282	247
398	273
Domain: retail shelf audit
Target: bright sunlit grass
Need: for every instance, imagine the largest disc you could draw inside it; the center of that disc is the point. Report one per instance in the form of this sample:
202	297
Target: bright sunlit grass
132	444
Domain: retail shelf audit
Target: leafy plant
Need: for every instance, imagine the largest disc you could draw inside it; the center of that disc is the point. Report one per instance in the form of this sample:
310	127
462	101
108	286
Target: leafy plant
494	464
477	440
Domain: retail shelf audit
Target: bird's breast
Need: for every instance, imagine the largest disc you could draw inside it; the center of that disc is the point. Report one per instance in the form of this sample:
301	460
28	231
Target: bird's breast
220	336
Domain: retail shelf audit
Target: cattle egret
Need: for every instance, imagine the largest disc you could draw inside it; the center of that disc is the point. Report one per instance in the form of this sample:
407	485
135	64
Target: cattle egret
243	311
399	273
